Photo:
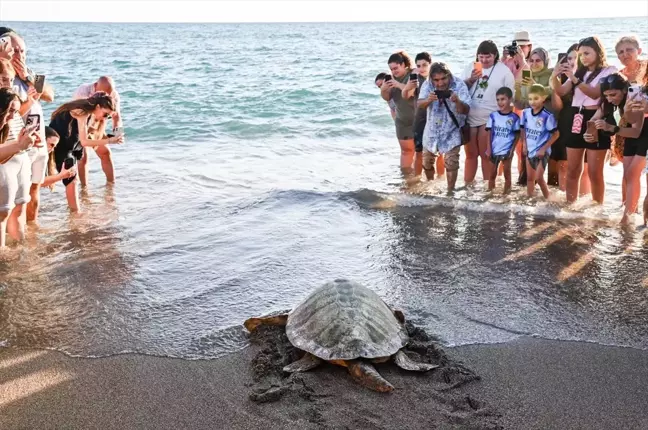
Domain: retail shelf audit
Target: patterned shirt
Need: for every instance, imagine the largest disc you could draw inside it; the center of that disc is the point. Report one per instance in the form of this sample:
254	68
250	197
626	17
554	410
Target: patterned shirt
503	128
539	128
441	134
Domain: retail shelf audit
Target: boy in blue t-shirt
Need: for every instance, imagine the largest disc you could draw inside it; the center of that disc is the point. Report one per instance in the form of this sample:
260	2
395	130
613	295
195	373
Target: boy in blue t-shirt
539	132
503	127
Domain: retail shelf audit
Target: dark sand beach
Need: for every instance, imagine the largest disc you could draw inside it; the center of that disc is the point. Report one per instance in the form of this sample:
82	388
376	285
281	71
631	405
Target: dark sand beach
530	383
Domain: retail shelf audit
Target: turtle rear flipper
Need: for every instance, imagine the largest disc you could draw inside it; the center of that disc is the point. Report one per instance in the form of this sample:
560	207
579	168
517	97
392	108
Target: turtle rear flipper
304	364
252	323
404	362
365	374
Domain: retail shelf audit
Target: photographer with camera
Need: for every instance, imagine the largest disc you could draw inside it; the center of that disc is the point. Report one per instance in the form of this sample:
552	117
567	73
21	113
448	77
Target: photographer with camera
412	89
483	78
516	55
447	101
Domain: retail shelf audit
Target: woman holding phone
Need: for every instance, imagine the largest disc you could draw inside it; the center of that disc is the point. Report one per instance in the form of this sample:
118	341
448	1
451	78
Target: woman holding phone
15	174
585	85
562	110
615	89
70	121
400	65
483	77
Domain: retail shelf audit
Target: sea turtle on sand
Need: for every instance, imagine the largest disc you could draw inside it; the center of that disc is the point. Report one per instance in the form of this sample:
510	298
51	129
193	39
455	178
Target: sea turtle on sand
346	324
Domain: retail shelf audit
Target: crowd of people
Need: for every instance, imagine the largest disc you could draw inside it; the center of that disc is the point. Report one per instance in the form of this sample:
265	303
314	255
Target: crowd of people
34	155
568	120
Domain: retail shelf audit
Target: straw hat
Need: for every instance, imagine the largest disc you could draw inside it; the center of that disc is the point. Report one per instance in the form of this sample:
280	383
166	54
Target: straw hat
522	37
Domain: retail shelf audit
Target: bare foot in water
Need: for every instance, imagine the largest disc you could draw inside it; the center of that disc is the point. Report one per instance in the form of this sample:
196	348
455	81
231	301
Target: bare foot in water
625	220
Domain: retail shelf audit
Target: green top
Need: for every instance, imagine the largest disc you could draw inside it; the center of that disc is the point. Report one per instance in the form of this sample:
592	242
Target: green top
543	77
404	108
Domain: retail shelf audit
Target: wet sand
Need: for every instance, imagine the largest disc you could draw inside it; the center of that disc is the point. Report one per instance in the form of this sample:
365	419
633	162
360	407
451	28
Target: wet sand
529	383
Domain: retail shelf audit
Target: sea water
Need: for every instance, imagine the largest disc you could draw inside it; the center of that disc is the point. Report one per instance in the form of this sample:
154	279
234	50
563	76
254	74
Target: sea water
260	162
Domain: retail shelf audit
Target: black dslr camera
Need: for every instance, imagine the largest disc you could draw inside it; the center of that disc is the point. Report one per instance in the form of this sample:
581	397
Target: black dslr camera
511	49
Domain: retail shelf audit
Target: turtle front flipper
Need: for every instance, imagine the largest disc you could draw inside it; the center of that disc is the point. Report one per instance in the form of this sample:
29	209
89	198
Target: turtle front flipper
367	375
404	362
252	323
304	364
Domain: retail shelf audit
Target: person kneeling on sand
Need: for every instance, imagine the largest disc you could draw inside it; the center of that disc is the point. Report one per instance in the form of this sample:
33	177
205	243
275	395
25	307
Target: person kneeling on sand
447	101
539	132
107	85
503	126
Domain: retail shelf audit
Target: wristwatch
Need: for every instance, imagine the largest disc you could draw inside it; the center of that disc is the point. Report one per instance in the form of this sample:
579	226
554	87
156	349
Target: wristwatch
577	83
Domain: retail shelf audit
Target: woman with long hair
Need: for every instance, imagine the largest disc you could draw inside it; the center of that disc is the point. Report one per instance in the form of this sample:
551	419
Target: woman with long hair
483	79
15	173
401	66
70	121
615	96
562	109
584	84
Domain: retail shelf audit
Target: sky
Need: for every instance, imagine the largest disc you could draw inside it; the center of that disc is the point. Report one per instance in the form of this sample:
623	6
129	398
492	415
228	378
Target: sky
310	10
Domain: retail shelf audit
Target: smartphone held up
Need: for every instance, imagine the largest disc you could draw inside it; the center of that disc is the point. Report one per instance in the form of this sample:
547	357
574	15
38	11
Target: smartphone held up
33	122
592	130
39	83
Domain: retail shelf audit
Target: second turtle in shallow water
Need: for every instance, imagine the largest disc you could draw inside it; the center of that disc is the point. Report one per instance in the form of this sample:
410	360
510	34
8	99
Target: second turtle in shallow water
346	324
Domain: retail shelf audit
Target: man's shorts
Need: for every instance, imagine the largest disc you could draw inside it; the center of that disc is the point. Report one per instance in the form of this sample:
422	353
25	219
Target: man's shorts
450	159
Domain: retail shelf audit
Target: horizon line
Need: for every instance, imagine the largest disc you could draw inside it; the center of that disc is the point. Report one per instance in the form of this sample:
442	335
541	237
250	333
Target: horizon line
315	22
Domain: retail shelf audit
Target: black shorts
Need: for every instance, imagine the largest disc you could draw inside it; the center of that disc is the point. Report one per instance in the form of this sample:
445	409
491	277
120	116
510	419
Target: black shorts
632	147
496	159
576	141
535	161
60	157
559	149
418	142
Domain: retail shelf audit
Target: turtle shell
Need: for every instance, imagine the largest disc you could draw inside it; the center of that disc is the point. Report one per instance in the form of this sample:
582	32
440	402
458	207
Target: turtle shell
342	320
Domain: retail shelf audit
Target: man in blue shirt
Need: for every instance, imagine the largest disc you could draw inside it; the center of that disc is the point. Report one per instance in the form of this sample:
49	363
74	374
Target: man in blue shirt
447	101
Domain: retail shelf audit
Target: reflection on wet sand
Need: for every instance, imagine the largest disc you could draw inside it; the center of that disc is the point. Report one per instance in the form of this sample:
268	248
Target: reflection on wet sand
54	284
542	244
498	267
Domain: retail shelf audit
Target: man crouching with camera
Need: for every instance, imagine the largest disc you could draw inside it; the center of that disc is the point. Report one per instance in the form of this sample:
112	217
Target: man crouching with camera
447	101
